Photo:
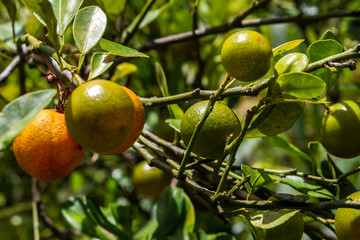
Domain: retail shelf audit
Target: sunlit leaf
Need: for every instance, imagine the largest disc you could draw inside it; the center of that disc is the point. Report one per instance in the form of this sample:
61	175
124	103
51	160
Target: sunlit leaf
287	46
43	10
293	62
322	49
258	178
88	28
305	186
119	50
64	11
300	85
174	124
98	65
20	112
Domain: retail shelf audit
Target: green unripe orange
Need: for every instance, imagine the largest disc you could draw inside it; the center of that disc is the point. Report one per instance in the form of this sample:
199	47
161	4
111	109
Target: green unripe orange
347	221
246	55
149	181
220	126
340	129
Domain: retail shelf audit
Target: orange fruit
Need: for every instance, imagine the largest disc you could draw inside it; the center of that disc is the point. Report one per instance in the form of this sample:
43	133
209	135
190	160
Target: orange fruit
45	149
99	115
138	125
149	181
347	221
340	129
220	126
246	55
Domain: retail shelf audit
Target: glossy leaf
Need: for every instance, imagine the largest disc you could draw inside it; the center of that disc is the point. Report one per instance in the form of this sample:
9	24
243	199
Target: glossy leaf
147	230
119	50
275	119
43	10
65	11
300	85
20	112
305	186
281	142
258	178
174	124
293	62
88	28
287	46
98	65
322	49
169	209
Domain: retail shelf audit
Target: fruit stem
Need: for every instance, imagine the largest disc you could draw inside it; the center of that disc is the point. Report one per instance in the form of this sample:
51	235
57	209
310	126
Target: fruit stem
198	127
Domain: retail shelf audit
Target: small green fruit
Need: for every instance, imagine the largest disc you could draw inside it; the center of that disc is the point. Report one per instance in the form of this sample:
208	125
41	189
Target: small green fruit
246	55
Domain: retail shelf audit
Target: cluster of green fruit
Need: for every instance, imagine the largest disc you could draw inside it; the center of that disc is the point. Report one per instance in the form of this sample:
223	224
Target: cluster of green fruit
247	56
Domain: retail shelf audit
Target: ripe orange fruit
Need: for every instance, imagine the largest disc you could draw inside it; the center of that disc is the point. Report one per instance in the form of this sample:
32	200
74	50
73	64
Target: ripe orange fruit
149	181
347	221
138	125
45	149
340	129
220	126
99	115
246	55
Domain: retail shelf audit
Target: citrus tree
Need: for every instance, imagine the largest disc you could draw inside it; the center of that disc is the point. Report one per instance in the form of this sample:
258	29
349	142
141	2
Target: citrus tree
198	119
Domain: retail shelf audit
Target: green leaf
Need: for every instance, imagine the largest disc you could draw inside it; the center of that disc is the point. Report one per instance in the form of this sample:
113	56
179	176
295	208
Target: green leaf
85	215
300	85
174	124
64	11
153	14
98	66
287	46
320	160
258	178
43	10
88	28
169	209
174	109
305	186
161	80
293	62
325	167
275	119
119	50
281	142
123	217
328	34
20	112
146	231
322	49
11	9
